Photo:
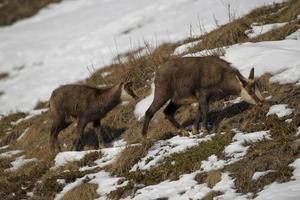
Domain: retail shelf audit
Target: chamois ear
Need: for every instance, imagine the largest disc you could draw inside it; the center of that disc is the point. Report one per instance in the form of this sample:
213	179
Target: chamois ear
243	82
251	75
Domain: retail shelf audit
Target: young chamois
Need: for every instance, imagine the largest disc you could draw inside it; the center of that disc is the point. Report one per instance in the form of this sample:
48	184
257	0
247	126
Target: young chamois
88	104
198	79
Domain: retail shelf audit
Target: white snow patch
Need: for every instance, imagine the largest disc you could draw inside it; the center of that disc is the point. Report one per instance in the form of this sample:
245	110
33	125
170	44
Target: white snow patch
261	29
164	148
288	120
257	175
142	106
4	147
109	155
212	163
106	183
23	134
183	188
31	113
185	47
236	149
61	181
280	58
105	74
10	153
19	162
298	131
280	110
283	191
62	158
226	186
69	187
294	36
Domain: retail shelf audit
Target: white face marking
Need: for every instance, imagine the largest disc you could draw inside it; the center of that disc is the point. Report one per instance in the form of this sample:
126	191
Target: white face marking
247	97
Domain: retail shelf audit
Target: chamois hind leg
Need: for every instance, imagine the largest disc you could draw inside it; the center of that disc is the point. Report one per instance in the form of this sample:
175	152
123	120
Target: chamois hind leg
170	111
160	98
57	126
195	128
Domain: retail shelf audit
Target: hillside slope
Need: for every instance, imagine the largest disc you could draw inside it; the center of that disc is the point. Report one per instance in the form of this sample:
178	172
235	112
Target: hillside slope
252	152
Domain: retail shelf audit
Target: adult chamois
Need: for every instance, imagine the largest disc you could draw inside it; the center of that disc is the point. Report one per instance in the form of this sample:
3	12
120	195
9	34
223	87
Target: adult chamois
88	104
198	79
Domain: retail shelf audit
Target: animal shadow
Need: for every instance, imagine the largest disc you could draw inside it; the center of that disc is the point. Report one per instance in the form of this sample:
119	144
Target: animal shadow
216	116
101	136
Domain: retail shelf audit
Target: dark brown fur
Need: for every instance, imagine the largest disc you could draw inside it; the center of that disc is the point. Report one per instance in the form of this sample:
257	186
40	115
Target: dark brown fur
88	104
192	79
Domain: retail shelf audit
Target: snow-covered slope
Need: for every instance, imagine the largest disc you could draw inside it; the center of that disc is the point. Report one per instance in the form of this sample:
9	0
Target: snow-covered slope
59	44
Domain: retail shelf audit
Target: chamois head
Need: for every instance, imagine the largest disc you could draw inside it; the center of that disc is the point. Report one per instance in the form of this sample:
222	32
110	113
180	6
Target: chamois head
249	90
127	92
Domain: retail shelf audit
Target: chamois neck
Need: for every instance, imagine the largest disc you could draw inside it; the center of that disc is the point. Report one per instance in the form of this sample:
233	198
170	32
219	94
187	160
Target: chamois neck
110	98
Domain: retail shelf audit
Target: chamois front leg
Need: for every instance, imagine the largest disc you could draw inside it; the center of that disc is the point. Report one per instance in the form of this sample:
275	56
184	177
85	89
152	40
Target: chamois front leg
82	122
204	105
160	98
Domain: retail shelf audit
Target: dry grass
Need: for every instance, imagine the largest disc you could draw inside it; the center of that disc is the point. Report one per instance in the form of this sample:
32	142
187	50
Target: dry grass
85	191
14	10
234	32
279	33
225	35
6	123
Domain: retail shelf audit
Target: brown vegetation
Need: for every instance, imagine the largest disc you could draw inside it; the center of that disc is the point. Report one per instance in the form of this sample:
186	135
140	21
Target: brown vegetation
14	10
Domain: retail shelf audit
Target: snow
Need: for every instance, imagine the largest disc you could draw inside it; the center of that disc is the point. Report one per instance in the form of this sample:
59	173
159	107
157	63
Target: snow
164	148
142	106
261	29
236	149
106	183
212	163
294	36
109	154
4	147
62	158
257	175
31	114
69	187
62	41
10	153
283	191
19	162
23	134
280	58
185	47
280	110
226	186
298	131
183	188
